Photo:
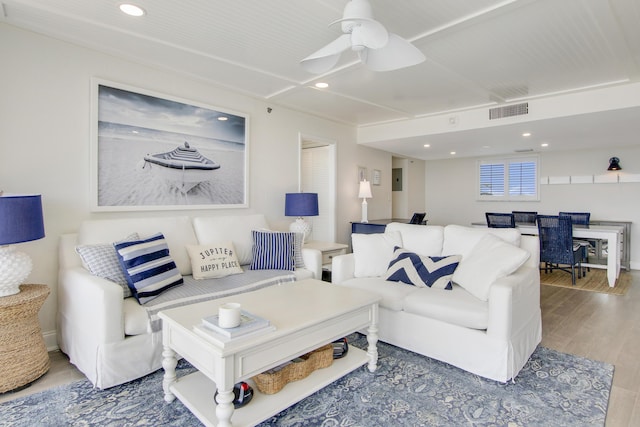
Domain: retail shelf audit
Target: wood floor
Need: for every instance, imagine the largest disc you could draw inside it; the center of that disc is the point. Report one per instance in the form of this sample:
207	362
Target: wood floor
589	324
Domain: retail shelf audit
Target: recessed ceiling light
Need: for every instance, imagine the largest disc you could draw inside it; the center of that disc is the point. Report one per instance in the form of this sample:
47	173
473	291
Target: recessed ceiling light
544	144
526	134
322	85
427	145
223	118
452	153
132	9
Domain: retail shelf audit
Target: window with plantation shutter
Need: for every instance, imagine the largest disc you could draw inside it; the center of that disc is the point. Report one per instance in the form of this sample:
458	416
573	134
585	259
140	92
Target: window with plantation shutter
508	179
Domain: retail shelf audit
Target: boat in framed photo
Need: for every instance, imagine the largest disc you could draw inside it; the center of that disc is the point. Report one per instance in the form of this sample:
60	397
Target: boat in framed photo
183	168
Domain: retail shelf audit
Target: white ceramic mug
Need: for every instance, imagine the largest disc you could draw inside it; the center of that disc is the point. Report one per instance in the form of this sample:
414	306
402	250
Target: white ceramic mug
229	315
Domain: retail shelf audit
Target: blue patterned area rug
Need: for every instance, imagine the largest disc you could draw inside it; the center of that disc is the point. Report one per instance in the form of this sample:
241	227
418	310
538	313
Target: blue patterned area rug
553	389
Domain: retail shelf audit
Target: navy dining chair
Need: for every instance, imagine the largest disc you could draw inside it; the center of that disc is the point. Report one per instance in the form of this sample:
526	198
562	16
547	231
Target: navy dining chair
417	218
525	217
581	219
500	220
557	249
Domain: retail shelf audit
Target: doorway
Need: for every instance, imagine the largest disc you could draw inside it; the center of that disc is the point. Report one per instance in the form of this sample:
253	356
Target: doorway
318	175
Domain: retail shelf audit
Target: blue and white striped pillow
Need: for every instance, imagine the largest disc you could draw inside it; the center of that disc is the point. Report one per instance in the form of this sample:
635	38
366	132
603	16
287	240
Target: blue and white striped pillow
273	250
148	267
422	271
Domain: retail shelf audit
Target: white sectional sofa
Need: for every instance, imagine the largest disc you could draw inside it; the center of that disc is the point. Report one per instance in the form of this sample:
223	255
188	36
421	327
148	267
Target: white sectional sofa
490	326
110	338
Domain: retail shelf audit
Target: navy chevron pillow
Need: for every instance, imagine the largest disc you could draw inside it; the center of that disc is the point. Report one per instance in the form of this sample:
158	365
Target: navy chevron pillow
148	267
422	271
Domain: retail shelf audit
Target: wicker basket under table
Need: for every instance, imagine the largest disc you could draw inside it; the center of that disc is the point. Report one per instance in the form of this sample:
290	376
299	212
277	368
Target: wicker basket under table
23	354
270	383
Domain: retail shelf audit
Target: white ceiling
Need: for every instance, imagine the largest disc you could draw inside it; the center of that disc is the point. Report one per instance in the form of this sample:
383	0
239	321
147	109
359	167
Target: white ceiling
480	54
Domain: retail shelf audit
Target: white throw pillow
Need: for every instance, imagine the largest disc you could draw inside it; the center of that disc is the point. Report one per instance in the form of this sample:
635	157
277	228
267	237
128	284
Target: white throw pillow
213	261
490	259
373	252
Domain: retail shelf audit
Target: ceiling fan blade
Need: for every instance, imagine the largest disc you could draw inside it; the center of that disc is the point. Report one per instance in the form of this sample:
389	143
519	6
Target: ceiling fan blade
327	57
371	34
398	53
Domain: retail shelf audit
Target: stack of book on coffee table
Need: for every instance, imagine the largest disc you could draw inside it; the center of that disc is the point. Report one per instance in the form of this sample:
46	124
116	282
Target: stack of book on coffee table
250	324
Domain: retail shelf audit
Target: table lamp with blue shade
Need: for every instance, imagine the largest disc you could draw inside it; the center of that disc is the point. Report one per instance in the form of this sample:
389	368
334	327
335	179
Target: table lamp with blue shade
301	205
20	221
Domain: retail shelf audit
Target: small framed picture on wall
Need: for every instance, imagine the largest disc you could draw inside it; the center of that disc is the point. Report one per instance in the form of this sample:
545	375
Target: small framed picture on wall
376	177
362	173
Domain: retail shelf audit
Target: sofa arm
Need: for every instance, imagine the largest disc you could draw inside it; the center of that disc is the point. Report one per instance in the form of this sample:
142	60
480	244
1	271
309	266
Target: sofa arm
513	300
313	261
342	268
91	304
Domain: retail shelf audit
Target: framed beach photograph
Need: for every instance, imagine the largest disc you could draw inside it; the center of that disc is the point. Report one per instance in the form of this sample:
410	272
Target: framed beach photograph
153	152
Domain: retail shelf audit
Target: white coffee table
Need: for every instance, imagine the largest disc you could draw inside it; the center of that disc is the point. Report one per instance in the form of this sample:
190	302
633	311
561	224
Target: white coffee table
307	315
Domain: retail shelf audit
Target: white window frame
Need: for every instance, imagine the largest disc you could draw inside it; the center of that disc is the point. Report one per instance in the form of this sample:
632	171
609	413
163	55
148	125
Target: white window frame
506	161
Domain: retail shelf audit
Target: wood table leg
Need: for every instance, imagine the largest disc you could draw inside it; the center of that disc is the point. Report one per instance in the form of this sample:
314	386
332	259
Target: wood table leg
169	363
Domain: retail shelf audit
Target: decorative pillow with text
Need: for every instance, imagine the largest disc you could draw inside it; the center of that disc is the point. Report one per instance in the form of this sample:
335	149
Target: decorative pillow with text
213	261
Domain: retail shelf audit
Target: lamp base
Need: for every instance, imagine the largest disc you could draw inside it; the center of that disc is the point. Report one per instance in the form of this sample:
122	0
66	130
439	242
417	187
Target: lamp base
364	211
14	269
301	226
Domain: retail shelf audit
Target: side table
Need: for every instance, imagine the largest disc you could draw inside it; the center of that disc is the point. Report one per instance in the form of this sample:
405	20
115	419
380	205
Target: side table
328	250
23	353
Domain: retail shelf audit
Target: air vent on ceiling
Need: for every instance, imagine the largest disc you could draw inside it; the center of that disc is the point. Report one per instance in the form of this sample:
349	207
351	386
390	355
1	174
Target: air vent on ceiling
509	111
523	150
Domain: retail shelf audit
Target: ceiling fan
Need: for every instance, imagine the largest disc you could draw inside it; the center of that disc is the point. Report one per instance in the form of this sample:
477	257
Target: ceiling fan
378	49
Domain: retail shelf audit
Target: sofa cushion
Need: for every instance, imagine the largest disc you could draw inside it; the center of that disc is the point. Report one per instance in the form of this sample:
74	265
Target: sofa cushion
490	259
237	228
425	240
393	294
273	250
148	267
373	252
136	318
459	240
422	271
457	307
101	260
178	233
212	261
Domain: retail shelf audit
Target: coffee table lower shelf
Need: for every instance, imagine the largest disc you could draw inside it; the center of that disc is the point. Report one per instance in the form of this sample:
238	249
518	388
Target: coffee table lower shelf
196	392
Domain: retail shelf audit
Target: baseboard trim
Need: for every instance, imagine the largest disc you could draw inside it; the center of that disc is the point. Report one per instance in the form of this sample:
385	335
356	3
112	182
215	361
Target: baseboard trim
51	340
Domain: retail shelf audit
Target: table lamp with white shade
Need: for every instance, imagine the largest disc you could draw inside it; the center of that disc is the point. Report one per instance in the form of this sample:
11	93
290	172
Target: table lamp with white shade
20	221
301	205
364	194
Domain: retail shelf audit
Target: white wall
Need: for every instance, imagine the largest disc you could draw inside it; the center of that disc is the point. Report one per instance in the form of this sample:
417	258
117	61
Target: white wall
450	190
44	142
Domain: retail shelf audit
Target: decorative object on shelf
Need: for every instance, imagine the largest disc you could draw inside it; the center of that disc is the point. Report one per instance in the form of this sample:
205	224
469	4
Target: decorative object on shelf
364	194
614	164
242	394
376	177
20	221
301	205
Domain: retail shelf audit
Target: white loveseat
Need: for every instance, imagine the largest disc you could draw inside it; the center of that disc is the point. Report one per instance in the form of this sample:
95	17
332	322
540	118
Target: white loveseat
492	333
109	337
